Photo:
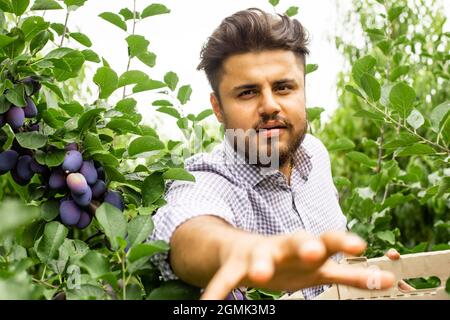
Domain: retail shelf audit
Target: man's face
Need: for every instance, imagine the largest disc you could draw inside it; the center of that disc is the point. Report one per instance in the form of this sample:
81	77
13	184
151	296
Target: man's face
264	91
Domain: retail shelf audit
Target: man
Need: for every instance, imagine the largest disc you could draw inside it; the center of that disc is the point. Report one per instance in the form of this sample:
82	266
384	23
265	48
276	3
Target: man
258	224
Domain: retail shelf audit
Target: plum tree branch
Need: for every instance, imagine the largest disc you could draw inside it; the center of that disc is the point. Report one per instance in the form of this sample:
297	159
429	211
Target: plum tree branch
400	125
129	57
65	29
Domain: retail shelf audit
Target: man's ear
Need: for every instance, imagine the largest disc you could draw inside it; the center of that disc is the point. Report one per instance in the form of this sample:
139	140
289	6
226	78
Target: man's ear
216	107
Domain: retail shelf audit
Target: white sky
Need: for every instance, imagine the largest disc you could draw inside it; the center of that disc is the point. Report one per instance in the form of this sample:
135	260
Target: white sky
176	38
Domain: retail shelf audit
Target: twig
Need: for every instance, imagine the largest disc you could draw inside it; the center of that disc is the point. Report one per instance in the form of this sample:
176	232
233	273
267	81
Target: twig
65	28
132	32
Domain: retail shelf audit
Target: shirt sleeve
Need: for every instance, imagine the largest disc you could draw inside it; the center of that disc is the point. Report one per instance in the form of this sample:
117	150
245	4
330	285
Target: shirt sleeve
210	194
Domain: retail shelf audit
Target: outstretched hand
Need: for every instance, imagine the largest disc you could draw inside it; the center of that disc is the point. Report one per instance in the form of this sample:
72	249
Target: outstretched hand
291	262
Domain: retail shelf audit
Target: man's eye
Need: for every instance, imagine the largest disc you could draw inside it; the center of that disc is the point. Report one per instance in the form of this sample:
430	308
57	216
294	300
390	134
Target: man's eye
244	93
284	88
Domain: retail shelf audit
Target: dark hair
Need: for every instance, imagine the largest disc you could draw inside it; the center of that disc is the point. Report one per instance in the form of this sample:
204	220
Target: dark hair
251	30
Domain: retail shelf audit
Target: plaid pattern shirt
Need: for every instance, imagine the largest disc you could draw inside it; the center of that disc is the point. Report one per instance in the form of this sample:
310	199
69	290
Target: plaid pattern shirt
252	199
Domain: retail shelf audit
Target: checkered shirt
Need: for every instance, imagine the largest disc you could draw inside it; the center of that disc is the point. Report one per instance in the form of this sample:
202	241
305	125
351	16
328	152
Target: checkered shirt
251	199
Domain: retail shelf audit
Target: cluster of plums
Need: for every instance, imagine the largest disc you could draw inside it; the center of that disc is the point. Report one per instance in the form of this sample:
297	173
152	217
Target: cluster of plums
15	115
80	182
84	184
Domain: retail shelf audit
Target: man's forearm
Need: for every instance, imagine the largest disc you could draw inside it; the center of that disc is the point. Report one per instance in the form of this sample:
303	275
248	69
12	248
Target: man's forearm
197	245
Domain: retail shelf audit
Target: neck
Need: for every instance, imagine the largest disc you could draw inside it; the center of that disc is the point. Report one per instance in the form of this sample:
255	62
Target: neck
286	169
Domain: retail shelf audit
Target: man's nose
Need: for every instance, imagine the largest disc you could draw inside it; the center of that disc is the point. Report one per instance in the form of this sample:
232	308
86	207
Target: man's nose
268	104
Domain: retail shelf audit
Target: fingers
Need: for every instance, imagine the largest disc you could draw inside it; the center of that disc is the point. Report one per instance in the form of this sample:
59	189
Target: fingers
402	285
393	254
262	265
364	278
337	241
305	246
226	279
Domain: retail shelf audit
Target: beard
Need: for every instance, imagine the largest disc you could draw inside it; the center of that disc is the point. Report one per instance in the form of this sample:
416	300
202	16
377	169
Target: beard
267	151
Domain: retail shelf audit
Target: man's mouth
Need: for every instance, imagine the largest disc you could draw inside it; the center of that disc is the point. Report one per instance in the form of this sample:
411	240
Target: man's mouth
271	129
271	125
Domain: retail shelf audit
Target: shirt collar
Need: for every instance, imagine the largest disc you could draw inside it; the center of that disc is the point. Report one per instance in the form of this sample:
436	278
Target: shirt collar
252	174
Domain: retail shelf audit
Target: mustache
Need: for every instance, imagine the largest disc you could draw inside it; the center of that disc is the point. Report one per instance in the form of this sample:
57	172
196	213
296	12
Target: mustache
281	120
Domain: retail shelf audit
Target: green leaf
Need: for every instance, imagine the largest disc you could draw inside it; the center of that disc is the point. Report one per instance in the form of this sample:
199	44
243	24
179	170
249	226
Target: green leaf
72	5
401	140
106	79
162	103
47	246
90	55
416	149
154	9
361	158
274	2
291	11
342	182
46	5
59	28
178	174
54	158
375	34
139	229
5	5
95	263
31	140
131	77
341	144
74	108
144	144
171	79
353	90
123	126
88	118
5	40
170	111
105	158
398	72
126	13
184	94
86	292
54	88
14	215
311	68
175	290
387	236
204	114
92	143
148	58
402	98
113	223
148	85
415	119
136	45
438	116
394	12
49	210
81	38
147	249
39	41
152	188
368	114
362	66
127	105
67	62
16	96
19	6
115	19
371	87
